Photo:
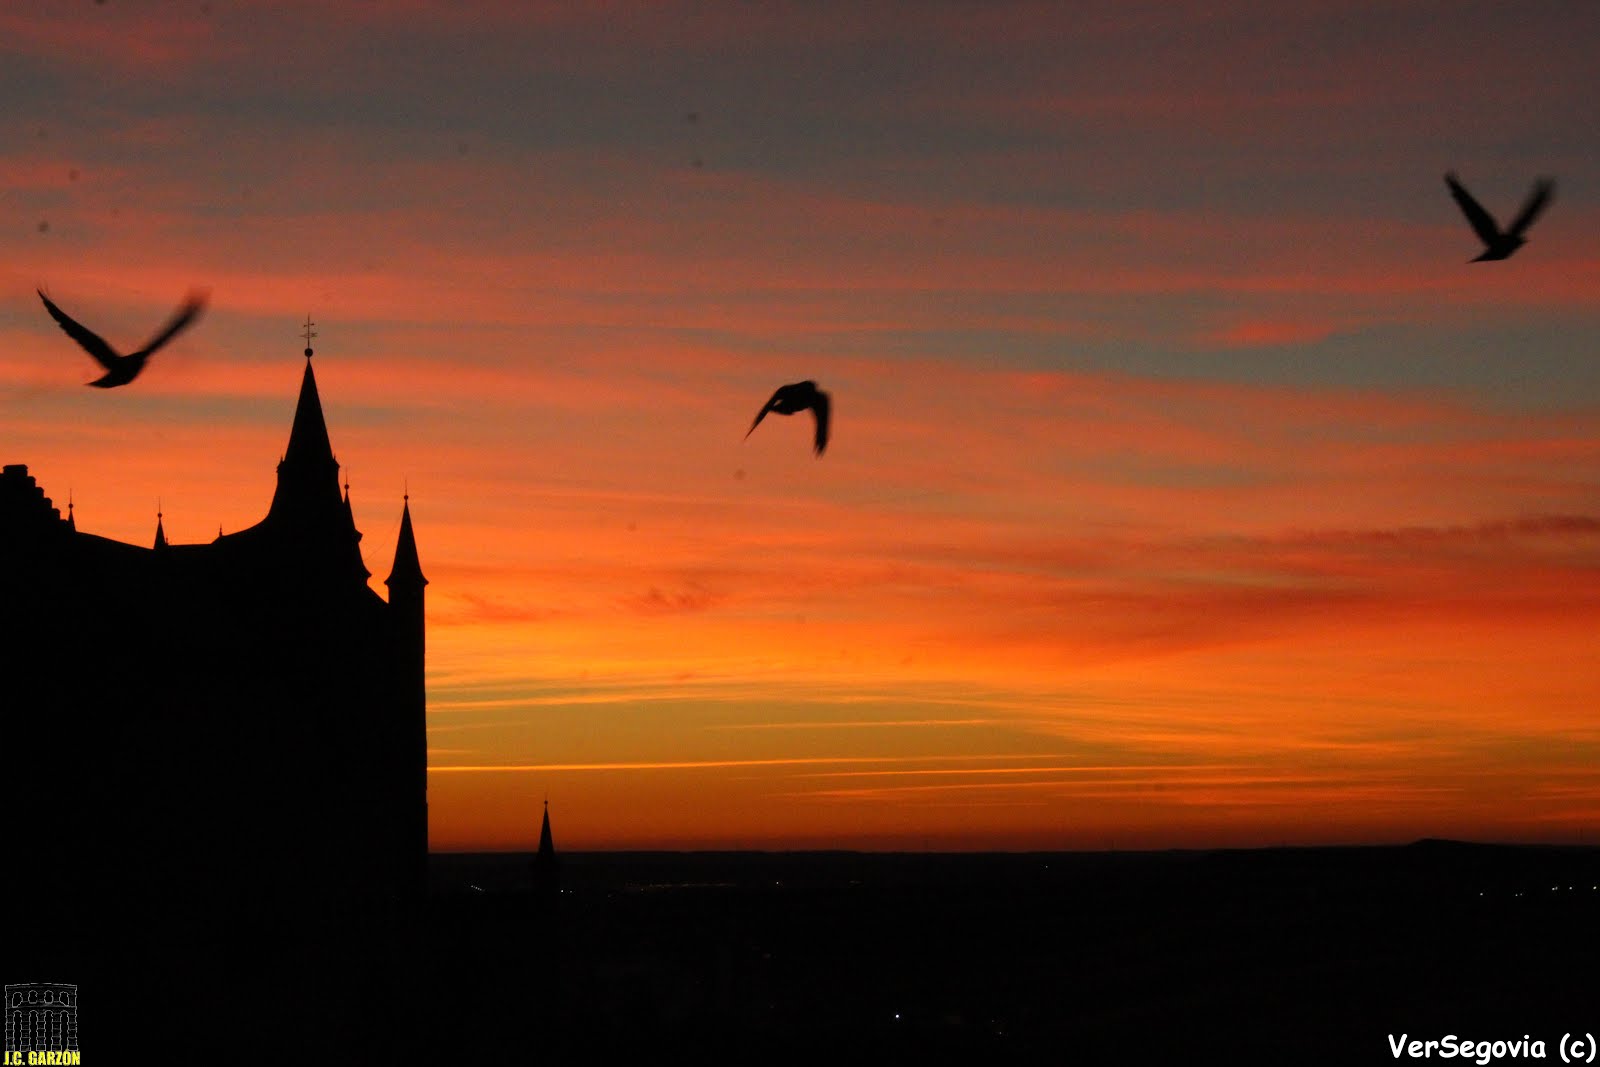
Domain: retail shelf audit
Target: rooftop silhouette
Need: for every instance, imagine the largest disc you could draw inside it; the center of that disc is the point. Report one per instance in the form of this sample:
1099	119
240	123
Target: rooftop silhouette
243	717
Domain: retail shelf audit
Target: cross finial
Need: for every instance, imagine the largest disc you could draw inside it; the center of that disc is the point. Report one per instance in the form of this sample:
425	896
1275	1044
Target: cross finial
309	333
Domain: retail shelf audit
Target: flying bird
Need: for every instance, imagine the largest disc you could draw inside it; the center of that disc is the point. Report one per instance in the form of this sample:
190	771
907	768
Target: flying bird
1500	244
120	369
798	397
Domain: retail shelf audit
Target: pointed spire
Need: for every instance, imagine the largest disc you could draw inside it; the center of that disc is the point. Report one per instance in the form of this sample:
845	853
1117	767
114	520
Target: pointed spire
308	475
349	512
308	437
407	567
161	533
547	845
546	865
72	523
350	524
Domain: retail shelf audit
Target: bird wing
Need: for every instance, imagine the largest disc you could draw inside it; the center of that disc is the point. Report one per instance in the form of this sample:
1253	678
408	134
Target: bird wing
1483	223
822	408
763	412
90	341
192	307
1543	189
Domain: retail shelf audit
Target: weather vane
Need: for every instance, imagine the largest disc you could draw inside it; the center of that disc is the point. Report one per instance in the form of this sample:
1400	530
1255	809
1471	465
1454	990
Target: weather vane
310	333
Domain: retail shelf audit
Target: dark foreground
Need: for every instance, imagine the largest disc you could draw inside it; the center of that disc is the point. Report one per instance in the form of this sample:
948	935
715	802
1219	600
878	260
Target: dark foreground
1282	955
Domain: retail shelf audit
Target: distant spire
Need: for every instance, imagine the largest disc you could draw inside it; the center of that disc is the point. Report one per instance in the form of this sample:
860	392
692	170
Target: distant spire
161	533
72	524
547	845
407	567
546	867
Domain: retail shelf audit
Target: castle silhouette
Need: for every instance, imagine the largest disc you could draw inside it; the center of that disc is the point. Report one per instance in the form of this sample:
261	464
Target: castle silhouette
238	721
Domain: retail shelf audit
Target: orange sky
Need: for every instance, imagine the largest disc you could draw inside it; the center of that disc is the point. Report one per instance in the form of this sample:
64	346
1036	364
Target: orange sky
1187	486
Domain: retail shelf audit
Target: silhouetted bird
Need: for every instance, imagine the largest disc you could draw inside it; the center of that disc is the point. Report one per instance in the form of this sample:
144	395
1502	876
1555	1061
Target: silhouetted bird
120	369
1500	244
798	397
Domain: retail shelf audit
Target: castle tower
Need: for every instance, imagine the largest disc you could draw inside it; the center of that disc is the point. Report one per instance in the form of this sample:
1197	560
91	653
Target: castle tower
274	626
210	745
406	600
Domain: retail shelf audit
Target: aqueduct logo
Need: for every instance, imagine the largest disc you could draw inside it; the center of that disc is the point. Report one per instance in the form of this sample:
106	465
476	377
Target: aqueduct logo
41	1023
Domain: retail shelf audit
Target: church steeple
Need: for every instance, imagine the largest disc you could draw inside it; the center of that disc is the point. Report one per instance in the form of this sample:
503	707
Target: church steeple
161	534
546	868
547	845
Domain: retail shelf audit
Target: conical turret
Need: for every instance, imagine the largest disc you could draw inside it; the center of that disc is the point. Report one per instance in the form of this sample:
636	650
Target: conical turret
407	590
407	569
308	475
350	519
307	515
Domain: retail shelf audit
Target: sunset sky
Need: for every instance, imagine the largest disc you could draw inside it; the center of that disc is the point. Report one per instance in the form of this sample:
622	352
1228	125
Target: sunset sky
1188	486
